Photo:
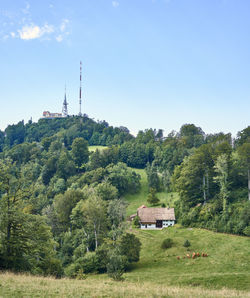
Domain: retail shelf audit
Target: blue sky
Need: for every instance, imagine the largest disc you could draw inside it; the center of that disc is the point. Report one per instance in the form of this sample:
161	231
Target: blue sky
146	63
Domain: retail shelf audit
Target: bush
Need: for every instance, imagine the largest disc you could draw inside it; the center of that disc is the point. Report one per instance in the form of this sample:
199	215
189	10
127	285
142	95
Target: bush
80	275
130	246
116	265
167	243
246	231
186	243
136	222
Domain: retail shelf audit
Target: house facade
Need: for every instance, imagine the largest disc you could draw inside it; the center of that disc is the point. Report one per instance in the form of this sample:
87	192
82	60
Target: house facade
156	218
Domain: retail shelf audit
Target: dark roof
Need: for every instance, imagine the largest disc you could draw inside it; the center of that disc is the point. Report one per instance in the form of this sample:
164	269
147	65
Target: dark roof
153	214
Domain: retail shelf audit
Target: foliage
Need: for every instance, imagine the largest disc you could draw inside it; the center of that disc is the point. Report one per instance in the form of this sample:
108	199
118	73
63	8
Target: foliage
152	197
80	151
62	207
116	265
167	243
130	247
186	243
136	222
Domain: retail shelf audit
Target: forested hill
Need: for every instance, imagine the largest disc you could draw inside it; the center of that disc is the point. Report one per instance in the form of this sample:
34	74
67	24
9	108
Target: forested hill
61	206
96	133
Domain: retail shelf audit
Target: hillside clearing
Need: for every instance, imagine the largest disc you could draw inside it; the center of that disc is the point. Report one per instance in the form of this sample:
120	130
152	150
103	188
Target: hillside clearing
140	198
94	148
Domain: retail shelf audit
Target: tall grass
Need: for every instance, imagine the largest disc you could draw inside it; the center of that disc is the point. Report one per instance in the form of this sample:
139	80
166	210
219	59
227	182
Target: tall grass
12	285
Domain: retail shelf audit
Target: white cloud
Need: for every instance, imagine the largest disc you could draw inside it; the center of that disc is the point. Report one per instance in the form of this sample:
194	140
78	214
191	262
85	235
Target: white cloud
26	10
64	24
115	3
13	34
33	31
59	38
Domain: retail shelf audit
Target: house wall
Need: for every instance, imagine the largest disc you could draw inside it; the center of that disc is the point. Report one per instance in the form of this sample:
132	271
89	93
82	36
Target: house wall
165	224
148	226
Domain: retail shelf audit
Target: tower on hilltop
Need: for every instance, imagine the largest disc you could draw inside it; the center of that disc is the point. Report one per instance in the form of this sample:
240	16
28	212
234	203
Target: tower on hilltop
65	105
80	91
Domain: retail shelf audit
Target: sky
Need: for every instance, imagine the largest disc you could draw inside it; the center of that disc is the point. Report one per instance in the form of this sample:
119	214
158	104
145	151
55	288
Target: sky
146	63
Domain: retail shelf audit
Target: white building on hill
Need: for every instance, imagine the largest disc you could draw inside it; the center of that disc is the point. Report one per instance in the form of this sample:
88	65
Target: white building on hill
156	218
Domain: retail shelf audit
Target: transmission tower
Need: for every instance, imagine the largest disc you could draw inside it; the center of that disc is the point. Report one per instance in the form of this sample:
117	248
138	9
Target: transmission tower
65	105
80	91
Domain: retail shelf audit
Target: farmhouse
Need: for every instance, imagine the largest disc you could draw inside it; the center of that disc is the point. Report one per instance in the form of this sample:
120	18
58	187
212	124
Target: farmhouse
156	218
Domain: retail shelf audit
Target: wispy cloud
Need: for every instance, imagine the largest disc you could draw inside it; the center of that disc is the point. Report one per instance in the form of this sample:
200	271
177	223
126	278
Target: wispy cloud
21	25
33	31
115	4
64	24
59	38
26	10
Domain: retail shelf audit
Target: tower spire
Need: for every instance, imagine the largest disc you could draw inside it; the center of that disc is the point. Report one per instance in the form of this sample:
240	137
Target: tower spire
80	91
65	105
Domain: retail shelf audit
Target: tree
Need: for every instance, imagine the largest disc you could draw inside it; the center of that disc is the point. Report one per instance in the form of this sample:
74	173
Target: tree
244	152
80	151
221	168
117	214
107	191
153	178
63	205
26	241
116	265
65	165
123	178
94	212
152	198
130	247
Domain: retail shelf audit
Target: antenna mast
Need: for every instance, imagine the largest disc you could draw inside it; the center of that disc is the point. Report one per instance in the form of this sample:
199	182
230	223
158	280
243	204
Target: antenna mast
80	93
65	104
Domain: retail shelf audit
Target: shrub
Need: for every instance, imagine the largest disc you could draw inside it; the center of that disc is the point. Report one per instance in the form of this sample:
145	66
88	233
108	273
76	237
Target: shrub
186	243
167	243
116	265
130	246
80	275
246	231
136	222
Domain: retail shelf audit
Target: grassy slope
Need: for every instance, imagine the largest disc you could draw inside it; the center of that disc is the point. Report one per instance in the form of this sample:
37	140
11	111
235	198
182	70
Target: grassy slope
30	286
228	263
136	200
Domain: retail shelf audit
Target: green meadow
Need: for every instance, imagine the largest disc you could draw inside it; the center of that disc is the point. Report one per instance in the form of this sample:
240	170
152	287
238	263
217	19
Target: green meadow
136	200
93	148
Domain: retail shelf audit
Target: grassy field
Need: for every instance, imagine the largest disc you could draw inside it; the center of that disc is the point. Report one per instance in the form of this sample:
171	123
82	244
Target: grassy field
227	264
93	148
136	200
30	286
